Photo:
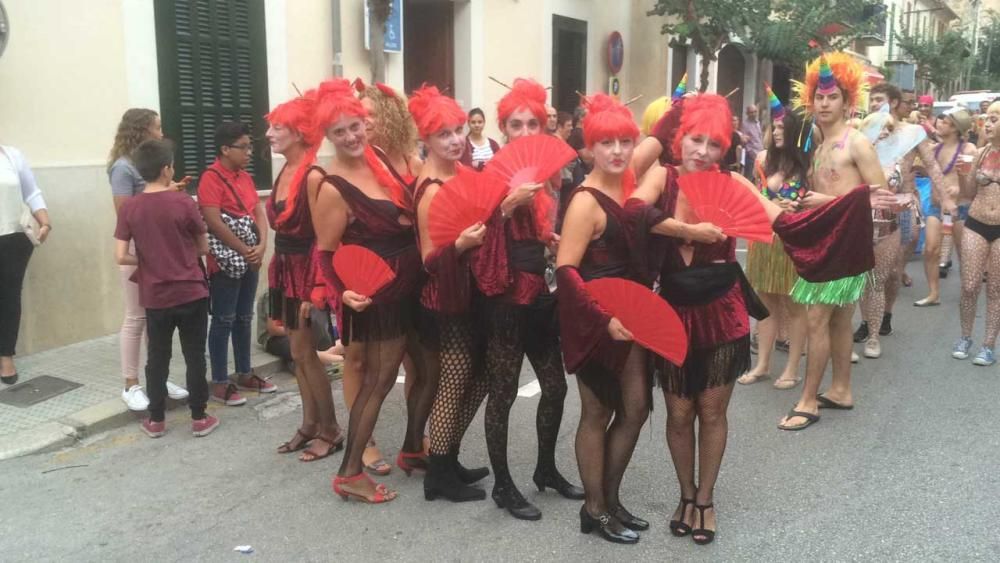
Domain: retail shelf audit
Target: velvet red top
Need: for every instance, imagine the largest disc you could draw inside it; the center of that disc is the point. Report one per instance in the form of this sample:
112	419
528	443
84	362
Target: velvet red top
723	320
376	226
583	323
494	267
292	270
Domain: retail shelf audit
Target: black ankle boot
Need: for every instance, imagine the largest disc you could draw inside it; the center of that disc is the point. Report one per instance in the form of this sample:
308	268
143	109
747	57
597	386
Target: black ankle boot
609	527
441	481
506	495
468	476
886	328
551	478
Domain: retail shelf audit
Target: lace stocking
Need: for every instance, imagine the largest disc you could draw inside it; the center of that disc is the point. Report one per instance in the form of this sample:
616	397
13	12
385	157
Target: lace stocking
378	362
504	356
546	360
978	256
885	275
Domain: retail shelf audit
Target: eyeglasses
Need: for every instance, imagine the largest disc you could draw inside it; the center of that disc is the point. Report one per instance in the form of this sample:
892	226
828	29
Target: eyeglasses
248	147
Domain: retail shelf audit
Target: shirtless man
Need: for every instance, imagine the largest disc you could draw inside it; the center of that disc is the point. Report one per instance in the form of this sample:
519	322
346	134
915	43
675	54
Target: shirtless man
844	160
952	130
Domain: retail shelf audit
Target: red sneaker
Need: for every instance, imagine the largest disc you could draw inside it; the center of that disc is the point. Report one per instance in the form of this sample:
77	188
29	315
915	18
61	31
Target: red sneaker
254	382
154	429
227	395
205	426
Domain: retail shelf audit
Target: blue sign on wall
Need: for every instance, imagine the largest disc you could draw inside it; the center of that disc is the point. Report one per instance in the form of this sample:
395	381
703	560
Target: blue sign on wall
393	28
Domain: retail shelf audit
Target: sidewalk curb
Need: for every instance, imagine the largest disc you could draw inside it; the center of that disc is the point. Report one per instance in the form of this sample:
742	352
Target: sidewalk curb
108	415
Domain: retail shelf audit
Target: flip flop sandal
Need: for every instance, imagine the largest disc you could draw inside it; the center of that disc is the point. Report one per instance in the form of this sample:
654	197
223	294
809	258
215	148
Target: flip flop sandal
747	379
786	383
825	403
810	420
378	467
926	303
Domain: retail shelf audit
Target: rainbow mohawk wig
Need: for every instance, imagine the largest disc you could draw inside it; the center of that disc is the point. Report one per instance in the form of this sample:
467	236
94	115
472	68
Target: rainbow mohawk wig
830	71
777	110
681	88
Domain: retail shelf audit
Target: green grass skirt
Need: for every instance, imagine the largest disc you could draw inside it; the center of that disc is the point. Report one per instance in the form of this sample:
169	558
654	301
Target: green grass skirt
769	269
844	291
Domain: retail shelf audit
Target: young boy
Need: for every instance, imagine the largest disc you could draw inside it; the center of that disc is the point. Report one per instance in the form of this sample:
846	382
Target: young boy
170	238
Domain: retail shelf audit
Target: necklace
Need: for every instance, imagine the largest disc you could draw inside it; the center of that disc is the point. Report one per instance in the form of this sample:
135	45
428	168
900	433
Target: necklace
954	157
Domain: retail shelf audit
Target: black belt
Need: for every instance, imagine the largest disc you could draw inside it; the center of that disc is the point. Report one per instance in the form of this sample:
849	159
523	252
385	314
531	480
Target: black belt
704	284
390	247
284	244
527	256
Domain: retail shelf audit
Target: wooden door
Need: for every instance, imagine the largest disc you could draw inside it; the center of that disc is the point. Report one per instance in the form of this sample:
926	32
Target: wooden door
429	44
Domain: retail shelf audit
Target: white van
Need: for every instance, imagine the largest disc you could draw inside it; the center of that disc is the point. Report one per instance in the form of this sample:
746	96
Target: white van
971	99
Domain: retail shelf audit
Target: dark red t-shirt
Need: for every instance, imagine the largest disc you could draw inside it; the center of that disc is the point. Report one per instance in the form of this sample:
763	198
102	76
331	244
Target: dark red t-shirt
165	227
213	192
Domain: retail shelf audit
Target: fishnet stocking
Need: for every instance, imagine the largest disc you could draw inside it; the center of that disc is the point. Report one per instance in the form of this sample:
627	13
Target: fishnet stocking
378	362
709	407
602	451
455	362
978	256
885	275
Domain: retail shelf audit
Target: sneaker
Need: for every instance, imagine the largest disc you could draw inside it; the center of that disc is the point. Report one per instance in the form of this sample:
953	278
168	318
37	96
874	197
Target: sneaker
781	345
854	357
227	395
254	382
961	349
176	392
205	426
886	328
154	429
943	273
135	398
753	343
984	357
861	334
873	349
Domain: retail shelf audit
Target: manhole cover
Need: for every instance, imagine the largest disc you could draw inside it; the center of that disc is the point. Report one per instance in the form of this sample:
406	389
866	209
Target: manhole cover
36	390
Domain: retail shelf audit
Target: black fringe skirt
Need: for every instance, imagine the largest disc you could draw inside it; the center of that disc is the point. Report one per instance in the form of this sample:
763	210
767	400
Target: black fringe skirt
706	368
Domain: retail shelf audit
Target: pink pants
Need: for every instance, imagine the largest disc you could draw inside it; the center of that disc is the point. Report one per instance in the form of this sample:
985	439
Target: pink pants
133	326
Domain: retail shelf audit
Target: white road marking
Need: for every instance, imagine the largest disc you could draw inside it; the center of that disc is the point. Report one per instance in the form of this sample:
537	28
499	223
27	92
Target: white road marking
529	389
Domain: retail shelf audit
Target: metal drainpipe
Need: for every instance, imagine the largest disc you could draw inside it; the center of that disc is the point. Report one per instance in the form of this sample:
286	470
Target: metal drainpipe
338	62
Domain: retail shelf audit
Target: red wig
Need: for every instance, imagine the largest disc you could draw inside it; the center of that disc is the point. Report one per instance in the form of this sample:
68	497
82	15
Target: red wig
526	93
708	115
297	115
433	111
607	118
335	99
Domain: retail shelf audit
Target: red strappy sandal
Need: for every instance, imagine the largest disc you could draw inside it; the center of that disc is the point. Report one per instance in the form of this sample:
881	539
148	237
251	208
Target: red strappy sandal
382	493
410	462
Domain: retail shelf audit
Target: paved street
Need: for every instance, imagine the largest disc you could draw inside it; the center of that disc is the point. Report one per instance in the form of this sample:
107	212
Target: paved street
910	475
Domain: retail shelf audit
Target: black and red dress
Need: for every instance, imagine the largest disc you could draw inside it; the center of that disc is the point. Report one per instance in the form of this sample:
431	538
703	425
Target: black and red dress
291	274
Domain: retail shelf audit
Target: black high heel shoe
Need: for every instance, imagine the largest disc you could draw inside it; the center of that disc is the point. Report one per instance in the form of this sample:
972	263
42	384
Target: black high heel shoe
677	527
706	535
631	521
554	480
509	498
9	379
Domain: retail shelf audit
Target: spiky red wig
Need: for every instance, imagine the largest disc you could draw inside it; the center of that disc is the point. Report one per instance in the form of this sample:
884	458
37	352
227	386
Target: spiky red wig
297	114
525	93
705	114
335	99
848	73
607	118
433	111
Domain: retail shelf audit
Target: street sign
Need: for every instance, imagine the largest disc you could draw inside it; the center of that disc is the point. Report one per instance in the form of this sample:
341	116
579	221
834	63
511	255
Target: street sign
393	28
614	86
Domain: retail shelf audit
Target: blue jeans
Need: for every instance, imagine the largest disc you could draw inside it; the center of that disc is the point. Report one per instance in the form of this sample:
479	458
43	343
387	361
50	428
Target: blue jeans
232	313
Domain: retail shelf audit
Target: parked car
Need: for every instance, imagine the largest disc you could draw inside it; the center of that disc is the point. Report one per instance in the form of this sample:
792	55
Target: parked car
971	99
941	107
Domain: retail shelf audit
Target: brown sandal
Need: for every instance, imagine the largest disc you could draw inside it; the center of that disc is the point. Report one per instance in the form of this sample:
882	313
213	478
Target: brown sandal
335	446
299	441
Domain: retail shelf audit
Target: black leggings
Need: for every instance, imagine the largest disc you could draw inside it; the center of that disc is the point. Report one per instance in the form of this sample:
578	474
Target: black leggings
15	250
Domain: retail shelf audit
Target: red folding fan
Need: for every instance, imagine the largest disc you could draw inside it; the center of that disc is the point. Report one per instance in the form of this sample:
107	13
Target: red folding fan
531	159
725	202
464	200
652	321
361	270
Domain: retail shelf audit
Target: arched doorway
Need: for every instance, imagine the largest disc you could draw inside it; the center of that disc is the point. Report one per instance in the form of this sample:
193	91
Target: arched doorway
731	71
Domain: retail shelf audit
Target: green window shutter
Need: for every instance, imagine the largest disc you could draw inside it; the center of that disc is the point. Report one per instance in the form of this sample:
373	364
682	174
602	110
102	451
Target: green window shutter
212	58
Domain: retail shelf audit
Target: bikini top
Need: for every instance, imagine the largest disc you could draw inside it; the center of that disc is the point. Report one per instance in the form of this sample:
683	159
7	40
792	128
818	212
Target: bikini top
788	190
982	178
